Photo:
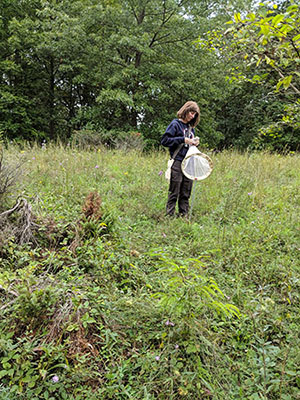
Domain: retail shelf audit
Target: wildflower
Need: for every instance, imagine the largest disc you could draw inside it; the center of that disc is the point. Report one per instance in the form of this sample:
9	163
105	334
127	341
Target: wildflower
176	346
170	323
164	235
55	379
157	358
33	158
160	173
250	193
97	166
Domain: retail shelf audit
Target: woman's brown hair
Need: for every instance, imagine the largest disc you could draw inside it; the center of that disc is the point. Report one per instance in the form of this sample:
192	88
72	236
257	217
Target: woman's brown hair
187	107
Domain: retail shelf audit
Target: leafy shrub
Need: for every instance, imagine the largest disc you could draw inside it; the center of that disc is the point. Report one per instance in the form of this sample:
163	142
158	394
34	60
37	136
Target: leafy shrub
186	291
130	141
283	134
91	139
112	138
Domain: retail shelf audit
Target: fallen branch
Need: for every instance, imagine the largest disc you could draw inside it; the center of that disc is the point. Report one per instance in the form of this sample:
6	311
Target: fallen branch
15	207
24	226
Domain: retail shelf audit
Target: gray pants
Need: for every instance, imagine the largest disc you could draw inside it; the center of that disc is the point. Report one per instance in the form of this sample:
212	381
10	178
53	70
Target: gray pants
180	189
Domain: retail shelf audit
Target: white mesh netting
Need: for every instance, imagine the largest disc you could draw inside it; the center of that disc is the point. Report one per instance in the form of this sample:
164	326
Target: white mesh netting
196	165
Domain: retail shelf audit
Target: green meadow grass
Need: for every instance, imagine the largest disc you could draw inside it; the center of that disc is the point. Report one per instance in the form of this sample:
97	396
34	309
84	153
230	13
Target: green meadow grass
144	306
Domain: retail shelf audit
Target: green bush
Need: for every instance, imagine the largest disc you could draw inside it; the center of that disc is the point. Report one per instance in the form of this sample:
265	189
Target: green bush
113	139
282	135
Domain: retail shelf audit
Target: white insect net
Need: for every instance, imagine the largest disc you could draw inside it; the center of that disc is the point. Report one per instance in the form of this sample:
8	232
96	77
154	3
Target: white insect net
196	165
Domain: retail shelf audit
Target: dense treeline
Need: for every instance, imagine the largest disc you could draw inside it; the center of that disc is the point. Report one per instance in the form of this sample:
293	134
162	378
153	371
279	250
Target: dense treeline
106	67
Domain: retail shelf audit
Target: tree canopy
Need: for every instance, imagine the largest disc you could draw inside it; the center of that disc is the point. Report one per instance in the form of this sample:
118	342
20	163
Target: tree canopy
265	48
120	66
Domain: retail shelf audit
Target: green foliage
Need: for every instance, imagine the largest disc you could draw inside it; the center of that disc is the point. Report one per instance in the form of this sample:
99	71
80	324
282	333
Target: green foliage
106	68
261	48
186	291
113	138
266	37
116	301
88	138
15	118
283	134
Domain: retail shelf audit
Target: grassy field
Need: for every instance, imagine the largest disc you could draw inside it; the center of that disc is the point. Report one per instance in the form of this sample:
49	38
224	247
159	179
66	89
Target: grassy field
113	300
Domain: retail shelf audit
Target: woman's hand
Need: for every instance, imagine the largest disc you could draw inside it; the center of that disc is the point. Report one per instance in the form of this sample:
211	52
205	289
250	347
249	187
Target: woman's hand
196	141
191	142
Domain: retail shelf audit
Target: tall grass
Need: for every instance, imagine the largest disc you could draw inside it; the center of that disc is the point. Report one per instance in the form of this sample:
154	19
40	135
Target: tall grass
244	232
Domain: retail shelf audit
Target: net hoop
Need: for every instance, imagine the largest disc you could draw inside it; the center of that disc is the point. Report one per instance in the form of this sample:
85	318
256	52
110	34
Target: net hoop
197	153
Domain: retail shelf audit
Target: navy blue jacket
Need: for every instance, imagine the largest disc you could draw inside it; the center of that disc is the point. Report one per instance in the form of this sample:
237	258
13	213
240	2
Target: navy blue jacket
174	136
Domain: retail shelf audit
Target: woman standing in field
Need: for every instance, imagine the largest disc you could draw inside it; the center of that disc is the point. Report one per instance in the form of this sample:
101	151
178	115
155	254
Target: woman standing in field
179	135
